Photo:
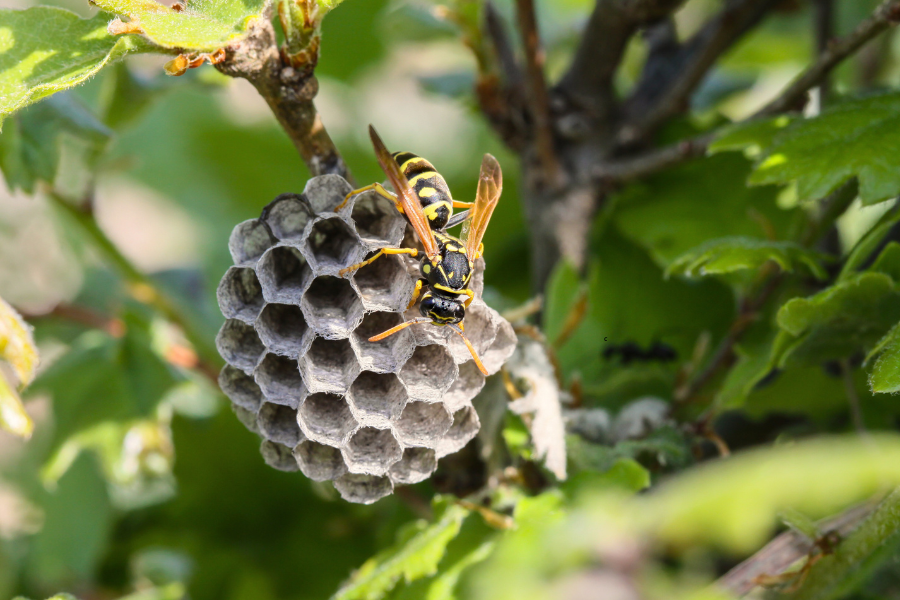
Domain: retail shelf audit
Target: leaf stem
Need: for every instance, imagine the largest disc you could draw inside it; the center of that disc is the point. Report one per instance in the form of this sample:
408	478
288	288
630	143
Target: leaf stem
141	286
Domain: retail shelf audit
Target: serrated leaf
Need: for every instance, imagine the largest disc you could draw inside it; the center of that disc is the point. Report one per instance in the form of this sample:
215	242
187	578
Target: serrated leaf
415	557
752	137
202	26
30	144
17	344
44	50
838	321
728	255
852	139
885	375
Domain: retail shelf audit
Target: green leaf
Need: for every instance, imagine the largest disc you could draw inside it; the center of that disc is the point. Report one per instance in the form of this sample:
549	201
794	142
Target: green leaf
415	556
752	137
103	378
851	139
888	262
731	254
31	142
673	212
885	375
203	25
753	364
78	521
845	318
733	504
44	50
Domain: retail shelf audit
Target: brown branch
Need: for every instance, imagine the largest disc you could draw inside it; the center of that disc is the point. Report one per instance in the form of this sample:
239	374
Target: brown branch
776	557
289	92
588	84
539	104
791	98
885	16
631	168
823	31
668	92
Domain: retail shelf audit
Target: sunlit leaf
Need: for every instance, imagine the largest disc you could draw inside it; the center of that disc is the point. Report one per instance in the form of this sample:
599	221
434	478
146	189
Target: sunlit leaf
728	255
752	137
851	139
17	344
44	50
416	555
202	25
13	417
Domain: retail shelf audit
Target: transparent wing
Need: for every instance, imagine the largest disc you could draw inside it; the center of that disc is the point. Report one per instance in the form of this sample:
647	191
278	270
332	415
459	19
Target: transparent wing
490	184
411	206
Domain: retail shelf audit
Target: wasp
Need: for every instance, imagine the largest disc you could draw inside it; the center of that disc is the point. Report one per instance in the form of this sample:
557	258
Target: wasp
428	186
447	262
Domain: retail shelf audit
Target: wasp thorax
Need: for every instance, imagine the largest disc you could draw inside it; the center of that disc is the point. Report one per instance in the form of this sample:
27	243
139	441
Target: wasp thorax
301	372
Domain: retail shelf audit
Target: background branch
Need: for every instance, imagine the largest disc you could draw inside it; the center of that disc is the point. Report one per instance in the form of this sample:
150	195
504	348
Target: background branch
668	91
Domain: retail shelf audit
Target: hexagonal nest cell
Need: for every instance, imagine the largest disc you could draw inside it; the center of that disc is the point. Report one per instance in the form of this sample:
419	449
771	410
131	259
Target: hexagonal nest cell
429	372
326	418
388	355
283	329
332	308
248	241
287	216
279	379
371	451
384	283
329	366
377	398
284	275
376	221
333	245
417	464
279	424
239	345
240	294
301	372
318	461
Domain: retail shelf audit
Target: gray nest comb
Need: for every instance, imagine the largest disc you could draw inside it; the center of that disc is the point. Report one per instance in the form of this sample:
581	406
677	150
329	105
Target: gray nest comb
301	373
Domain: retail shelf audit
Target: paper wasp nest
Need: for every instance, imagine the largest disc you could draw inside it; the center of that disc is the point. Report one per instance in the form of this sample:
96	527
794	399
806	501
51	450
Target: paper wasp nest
301	373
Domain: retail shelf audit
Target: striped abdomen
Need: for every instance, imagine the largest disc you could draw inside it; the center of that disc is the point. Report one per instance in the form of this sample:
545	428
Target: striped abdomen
429	186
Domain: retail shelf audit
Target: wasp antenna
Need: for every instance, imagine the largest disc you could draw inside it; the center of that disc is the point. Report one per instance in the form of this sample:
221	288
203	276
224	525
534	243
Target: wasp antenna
471	349
393	330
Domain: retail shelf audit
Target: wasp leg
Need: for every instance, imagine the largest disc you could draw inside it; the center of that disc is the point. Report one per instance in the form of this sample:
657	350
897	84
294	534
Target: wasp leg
458	204
373	186
471	296
480	251
411	251
416	291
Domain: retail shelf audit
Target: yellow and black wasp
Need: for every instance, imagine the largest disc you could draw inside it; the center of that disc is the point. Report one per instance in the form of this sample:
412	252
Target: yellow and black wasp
448	262
428	186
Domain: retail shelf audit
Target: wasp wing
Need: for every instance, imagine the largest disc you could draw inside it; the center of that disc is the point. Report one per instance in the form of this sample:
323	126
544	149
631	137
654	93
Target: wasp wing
490	184
411	206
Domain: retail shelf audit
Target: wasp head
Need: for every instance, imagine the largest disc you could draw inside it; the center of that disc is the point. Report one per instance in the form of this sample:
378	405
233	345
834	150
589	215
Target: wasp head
441	310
